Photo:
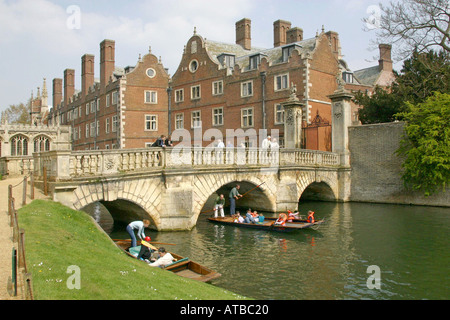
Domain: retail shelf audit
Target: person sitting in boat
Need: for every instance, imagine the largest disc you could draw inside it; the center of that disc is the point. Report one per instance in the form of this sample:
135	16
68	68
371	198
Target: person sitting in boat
310	218
146	251
249	217
281	221
238	218
165	258
292	215
261	218
255	216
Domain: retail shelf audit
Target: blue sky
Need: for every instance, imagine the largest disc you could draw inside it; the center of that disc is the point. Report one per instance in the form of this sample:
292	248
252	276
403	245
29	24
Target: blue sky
41	38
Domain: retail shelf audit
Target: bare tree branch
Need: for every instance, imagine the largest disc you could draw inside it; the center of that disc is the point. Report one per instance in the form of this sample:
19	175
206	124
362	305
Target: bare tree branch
420	25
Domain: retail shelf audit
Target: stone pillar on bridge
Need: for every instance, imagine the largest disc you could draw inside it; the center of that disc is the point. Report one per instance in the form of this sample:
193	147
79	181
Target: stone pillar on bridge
341	120
293	121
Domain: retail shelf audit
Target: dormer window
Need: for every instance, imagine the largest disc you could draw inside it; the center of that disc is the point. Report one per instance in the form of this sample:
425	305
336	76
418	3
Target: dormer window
255	61
227	59
347	77
287	51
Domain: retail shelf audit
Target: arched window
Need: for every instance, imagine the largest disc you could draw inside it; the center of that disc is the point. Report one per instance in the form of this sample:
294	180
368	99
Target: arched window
19	146
41	143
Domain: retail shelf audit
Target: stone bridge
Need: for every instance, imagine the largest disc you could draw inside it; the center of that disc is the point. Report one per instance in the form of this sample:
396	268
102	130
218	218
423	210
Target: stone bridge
173	186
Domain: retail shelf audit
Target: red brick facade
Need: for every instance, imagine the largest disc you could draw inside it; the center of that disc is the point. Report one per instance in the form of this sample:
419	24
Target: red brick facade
225	86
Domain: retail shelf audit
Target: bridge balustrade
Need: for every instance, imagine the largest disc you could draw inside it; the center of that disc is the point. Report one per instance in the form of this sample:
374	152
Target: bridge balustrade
66	165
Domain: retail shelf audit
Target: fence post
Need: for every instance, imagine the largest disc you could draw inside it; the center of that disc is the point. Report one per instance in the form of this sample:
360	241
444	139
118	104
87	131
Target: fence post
10	199
24	194
45	181
32	186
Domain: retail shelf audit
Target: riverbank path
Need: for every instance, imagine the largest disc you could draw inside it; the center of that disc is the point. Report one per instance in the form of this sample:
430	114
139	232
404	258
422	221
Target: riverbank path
6	232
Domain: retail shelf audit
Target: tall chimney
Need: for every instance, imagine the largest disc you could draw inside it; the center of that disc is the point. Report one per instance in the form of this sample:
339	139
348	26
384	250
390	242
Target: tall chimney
87	73
107	61
294	35
385	61
57	92
244	33
69	85
280	27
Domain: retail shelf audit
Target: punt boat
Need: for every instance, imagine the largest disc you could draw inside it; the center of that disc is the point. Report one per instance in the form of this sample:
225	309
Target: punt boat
183	267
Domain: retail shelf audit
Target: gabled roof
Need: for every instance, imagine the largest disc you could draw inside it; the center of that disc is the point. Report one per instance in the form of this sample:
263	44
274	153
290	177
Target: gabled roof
273	55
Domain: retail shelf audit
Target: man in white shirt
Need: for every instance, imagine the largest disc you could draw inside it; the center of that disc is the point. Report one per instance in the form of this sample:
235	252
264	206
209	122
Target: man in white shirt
165	258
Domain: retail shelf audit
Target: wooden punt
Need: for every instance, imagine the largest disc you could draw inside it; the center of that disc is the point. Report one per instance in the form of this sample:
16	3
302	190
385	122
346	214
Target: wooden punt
183	267
269	224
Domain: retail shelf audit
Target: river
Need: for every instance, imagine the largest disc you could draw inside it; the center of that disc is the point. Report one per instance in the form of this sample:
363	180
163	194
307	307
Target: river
405	248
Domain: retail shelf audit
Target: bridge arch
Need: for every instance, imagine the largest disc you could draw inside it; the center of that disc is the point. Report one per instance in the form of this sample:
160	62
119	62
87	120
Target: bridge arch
126	200
315	185
207	188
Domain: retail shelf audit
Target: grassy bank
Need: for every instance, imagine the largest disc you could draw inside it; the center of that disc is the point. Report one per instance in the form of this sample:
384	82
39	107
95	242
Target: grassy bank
57	237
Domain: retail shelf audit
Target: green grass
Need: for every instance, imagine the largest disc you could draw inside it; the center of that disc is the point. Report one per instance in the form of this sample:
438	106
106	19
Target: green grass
57	237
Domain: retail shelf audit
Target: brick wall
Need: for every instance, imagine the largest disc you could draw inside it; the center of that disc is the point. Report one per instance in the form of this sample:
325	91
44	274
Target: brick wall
376	169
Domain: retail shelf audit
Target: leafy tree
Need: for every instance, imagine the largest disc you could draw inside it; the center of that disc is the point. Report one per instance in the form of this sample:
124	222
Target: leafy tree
380	107
426	146
422	74
18	113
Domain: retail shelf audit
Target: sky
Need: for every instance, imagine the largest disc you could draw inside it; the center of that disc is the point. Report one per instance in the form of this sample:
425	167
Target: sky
41	38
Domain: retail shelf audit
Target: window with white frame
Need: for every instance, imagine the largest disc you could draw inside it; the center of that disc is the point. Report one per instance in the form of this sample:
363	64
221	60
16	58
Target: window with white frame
179	95
217	88
107	127
196	119
247	117
87	108
217	117
281	82
151	97
92	106
115	123
98	128
87	130
115	97
108	100
279	114
151	122
195	92
98	104
247	89
179	121
92	129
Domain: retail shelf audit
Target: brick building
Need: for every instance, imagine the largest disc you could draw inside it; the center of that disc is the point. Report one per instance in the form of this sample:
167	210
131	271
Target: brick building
125	108
216	85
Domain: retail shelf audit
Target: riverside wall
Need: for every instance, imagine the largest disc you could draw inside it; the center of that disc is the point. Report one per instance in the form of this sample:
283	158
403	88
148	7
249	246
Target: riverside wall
376	169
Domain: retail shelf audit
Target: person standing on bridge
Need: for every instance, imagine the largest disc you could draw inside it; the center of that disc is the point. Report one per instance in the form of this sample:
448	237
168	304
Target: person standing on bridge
140	226
234	195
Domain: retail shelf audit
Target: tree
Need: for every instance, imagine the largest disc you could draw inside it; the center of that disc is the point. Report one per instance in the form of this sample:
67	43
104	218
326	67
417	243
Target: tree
421	75
380	107
18	113
412	25
426	146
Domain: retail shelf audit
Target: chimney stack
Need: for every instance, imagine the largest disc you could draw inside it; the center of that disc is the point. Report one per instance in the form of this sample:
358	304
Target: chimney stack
385	61
107	61
280	27
87	73
57	92
294	35
244	33
69	85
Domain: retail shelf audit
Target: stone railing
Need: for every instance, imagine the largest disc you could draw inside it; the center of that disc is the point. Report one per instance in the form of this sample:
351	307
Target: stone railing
16	166
65	165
